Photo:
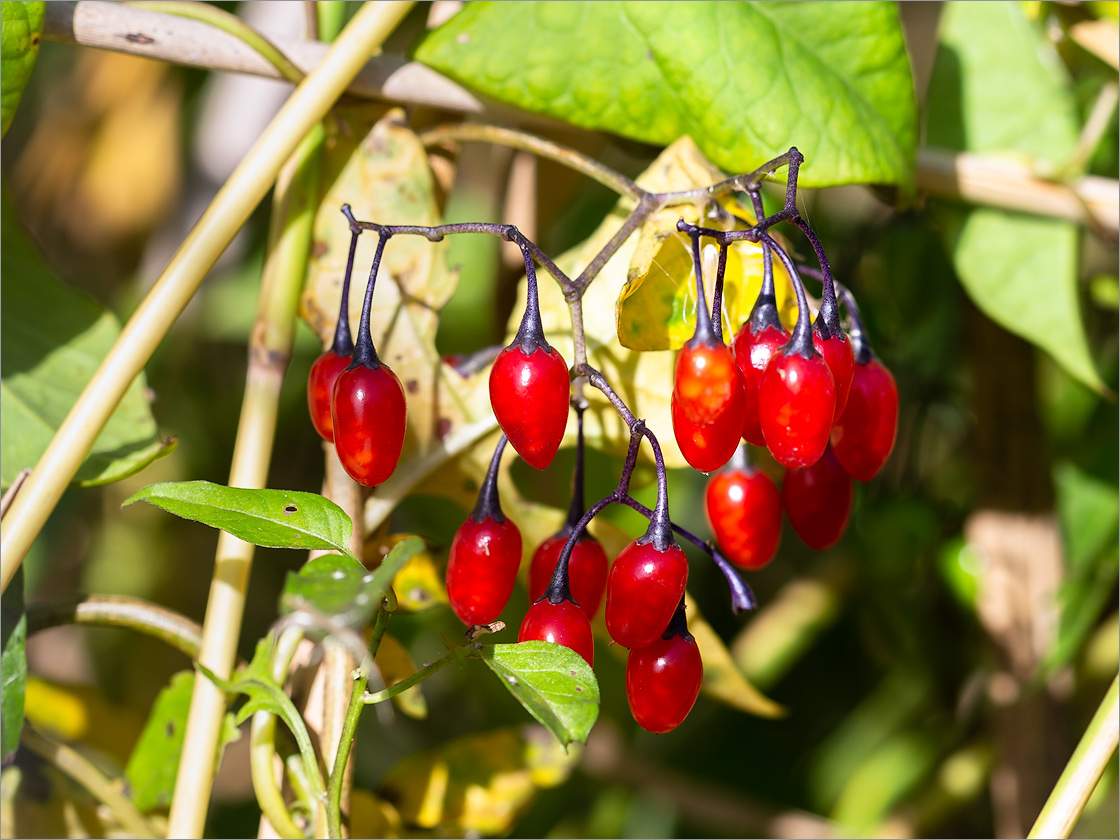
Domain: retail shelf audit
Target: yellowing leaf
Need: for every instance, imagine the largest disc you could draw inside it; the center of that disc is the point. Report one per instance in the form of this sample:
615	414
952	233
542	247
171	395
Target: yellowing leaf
395	664
481	783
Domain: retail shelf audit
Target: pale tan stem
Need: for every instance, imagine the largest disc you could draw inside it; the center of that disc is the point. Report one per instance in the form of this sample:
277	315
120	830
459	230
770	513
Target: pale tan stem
150	322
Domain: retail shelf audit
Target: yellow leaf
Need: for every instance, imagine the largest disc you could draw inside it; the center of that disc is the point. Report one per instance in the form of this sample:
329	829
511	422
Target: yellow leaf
395	665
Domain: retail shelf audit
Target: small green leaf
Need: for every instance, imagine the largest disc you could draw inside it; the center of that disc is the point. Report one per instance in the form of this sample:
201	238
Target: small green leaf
53	339
21	25
553	683
13	664
340	586
269	518
745	80
154	762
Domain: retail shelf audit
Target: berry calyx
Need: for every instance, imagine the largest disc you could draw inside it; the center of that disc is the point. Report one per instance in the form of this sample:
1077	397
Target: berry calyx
818	501
744	511
663	678
796	394
485	555
563	623
368	410
329	366
530	386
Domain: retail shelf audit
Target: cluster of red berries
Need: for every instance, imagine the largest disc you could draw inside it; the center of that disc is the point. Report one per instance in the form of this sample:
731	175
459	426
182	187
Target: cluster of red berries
793	393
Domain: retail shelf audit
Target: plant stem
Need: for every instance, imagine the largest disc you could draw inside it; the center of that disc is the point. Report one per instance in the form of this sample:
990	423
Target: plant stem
150	322
85	773
1083	771
342	756
121	611
452	655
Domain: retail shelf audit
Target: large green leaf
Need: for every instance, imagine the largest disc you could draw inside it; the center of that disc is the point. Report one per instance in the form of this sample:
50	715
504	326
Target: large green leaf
154	762
21	24
270	518
745	80
13	664
53	339
551	681
999	88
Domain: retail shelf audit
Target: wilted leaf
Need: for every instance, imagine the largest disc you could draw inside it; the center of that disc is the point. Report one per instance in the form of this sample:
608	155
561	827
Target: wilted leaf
554	684
479	784
13	663
53	340
748	80
395	664
154	763
270	518
22	25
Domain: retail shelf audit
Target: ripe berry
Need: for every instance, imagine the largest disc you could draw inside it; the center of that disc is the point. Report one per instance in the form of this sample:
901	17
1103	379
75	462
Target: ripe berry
529	390
796	404
818	501
485	555
663	679
836	351
587	570
368	410
753	349
563	624
329	366
744	511
644	587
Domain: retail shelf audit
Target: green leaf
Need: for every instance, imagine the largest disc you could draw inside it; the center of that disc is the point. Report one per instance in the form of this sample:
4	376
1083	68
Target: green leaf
13	664
745	80
270	518
21	25
998	87
53	338
340	586
553	683
154	762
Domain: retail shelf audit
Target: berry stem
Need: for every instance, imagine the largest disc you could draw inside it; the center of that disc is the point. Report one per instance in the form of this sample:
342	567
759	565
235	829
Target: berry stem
489	505
765	311
365	354
801	341
861	346
530	335
704	334
343	344
678	625
717	293
828	317
742	598
576	508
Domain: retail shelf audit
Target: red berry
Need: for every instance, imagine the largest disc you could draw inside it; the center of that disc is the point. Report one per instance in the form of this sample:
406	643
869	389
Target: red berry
482	568
864	437
529	394
563	624
587	571
320	386
745	514
752	353
837	353
796	404
709	400
644	587
818	501
662	682
369	416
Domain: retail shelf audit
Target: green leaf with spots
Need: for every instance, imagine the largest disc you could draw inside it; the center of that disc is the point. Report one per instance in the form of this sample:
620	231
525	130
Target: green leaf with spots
53	338
269	518
21	25
554	684
154	762
745	80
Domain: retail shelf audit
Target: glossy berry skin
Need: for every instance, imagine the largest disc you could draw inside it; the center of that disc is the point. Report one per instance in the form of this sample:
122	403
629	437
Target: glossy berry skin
320	386
663	681
752	353
587	571
837	354
482	568
644	587
864	436
369	416
818	501
529	395
563	624
708	405
796	404
744	511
